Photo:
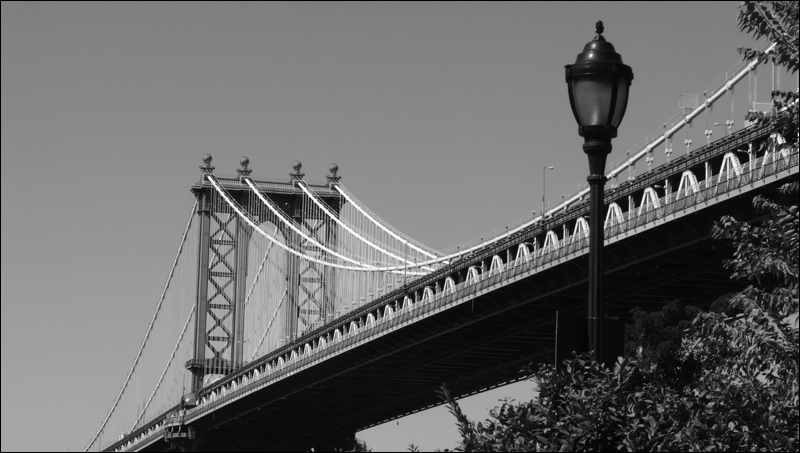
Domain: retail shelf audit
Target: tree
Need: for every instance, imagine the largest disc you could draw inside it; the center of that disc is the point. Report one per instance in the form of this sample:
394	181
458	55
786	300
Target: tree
778	22
660	335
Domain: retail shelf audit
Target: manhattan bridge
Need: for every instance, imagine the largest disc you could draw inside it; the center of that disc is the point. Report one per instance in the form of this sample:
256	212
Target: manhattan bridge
293	316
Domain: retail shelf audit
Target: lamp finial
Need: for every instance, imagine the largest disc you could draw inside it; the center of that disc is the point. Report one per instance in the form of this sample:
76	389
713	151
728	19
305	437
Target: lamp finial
598	28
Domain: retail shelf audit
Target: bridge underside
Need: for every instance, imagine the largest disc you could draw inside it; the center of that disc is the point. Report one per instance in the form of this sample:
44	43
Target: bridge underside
476	345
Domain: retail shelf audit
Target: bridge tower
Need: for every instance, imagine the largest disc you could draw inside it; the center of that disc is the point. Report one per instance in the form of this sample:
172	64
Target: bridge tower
310	286
223	261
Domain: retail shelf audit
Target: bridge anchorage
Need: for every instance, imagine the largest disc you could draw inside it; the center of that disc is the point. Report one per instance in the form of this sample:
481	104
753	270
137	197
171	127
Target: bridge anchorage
313	318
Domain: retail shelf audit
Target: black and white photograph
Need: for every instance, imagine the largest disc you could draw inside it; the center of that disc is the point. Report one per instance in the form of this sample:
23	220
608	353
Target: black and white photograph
400	226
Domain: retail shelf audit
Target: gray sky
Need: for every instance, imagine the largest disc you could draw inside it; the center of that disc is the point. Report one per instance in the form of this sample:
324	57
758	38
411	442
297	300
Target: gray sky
440	117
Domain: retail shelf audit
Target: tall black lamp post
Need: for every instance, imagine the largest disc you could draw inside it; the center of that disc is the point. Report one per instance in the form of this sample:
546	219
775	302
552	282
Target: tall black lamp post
598	86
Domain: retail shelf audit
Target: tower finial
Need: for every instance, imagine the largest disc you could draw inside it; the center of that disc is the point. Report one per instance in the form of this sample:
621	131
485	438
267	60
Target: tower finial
333	178
244	172
207	168
297	174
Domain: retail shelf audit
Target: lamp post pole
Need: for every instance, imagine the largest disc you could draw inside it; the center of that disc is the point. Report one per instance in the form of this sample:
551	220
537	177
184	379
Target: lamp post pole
598	86
597	152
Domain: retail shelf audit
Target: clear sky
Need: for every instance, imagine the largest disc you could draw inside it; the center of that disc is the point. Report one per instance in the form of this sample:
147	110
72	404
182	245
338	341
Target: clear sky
439	115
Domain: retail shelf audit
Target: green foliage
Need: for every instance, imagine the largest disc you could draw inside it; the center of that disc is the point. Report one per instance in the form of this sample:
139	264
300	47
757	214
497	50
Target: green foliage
765	254
361	445
658	336
582	407
778	22
588	407
357	445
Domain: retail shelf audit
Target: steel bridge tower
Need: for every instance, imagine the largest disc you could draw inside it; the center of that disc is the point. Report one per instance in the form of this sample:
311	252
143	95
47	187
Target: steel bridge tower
223	263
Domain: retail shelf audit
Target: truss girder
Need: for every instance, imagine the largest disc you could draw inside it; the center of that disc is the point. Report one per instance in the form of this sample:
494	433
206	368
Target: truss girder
221	279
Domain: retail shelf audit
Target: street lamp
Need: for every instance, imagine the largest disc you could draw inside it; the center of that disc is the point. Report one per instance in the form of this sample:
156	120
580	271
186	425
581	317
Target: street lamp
544	177
598	86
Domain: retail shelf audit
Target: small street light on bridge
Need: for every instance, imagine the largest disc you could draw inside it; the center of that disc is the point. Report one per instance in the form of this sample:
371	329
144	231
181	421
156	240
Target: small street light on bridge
544	187
598	85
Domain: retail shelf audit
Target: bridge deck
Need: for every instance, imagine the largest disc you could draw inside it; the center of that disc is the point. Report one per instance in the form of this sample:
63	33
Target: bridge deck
481	335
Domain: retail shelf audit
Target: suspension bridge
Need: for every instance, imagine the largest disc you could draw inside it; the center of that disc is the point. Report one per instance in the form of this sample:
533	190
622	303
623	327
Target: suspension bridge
294	316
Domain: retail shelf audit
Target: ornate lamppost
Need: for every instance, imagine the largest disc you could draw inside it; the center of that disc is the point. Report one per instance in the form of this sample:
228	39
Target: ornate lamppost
598	86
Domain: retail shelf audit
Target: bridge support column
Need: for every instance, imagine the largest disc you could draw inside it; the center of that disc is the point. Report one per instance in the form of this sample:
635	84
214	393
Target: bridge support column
197	365
221	286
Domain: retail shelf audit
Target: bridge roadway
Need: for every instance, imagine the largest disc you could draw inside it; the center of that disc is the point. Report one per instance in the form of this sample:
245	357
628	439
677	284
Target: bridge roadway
479	336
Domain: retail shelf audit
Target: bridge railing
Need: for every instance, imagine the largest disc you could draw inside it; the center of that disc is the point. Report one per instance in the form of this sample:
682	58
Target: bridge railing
708	190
